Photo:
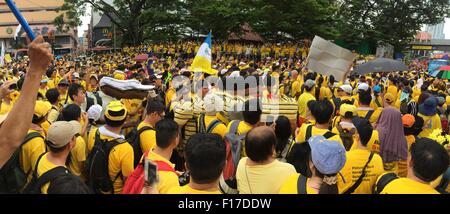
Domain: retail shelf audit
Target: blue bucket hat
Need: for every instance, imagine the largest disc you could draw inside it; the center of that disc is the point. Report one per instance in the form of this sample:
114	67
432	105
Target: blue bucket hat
428	108
327	156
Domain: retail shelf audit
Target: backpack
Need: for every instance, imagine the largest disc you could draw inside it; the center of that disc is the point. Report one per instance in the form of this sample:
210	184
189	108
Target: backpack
135	182
201	125
444	185
288	88
134	139
346	136
308	134
233	142
383	182
36	183
97	166
404	107
12	176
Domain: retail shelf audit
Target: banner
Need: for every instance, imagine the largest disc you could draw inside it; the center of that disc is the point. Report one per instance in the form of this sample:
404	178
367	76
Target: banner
328	58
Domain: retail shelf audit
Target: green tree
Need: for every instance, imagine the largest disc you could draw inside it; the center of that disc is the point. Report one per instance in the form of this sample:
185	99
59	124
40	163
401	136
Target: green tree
295	19
388	21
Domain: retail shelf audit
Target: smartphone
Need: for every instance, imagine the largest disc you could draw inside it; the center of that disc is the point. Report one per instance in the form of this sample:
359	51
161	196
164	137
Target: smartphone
150	173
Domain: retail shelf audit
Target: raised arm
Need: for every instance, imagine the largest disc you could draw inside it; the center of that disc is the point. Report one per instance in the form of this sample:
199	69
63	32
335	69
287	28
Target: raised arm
16	125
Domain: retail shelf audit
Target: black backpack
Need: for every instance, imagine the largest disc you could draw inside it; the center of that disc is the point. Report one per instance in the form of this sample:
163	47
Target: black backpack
308	133
383	181
134	139
97	166
36	183
12	176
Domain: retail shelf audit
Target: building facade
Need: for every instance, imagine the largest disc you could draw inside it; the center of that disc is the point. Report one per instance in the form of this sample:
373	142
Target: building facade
40	15
436	31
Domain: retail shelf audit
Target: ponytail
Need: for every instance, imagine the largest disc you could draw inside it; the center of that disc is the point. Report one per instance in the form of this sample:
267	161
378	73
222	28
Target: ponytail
329	184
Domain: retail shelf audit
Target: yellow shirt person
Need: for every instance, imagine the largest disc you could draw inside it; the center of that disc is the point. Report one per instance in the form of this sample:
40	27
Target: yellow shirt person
290	186
262	179
407	186
357	159
147	138
167	179
121	159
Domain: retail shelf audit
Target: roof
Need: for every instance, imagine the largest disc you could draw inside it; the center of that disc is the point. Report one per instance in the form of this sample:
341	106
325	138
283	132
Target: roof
105	21
247	34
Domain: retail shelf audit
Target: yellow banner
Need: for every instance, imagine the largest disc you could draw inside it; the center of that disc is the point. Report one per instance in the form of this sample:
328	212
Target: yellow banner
422	47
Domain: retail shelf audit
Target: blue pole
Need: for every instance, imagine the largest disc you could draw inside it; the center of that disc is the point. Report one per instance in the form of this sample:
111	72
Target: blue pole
21	19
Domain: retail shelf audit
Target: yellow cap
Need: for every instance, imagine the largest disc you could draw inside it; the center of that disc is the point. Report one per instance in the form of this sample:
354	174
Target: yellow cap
116	111
347	108
389	98
42	108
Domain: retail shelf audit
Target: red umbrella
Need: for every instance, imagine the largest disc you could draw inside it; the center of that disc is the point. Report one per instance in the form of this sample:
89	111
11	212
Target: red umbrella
445	68
141	58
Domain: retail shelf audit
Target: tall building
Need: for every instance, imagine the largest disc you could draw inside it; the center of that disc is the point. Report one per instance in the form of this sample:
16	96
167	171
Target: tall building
40	15
437	31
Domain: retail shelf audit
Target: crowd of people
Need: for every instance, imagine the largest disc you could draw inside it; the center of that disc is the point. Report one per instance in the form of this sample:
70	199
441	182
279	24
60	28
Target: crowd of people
290	131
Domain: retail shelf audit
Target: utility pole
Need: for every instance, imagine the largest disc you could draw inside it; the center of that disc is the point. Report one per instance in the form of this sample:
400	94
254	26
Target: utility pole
114	32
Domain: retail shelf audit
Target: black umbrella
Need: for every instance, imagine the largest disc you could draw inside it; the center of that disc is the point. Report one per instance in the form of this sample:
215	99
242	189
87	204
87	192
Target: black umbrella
381	65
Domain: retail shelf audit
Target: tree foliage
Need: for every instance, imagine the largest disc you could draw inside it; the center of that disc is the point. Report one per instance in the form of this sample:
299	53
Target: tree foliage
388	21
354	21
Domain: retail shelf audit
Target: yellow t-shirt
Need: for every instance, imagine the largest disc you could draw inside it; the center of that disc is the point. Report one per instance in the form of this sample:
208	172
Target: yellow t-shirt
170	94
290	186
78	156
300	138
220	129
357	159
374	105
147	138
362	112
31	151
263	179
430	124
296	88
393	90
373	144
121	160
167	180
5	108
303	103
43	167
325	93
53	115
407	186
186	189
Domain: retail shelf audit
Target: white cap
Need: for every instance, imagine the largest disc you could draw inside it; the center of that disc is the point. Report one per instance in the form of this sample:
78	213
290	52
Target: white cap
94	112
310	83
235	74
223	71
347	88
242	63
363	87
